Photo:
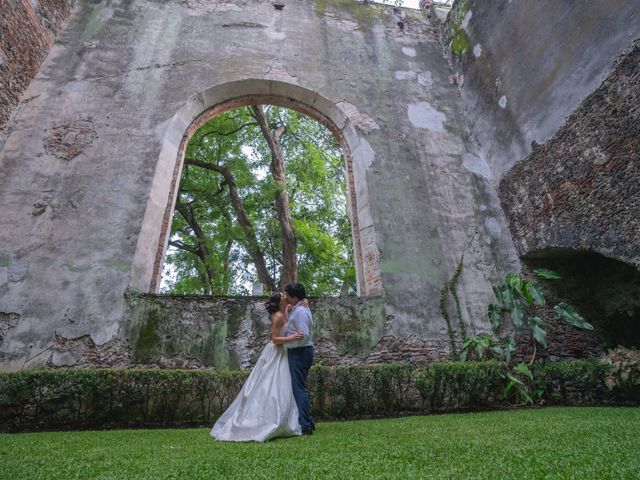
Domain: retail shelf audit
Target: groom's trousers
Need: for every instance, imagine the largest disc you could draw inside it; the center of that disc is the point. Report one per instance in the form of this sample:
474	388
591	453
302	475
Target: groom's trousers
300	360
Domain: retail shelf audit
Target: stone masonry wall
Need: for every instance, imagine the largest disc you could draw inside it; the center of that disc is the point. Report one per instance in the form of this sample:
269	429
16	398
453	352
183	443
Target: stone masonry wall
581	189
523	67
230	332
27	31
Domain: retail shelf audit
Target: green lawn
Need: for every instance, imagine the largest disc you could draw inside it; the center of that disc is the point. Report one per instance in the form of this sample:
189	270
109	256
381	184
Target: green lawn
580	443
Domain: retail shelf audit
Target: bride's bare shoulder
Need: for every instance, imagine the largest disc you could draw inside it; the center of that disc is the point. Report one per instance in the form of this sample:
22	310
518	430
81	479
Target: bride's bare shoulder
277	318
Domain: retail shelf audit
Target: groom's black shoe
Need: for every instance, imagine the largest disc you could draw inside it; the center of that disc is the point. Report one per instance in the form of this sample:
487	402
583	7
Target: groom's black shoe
307	432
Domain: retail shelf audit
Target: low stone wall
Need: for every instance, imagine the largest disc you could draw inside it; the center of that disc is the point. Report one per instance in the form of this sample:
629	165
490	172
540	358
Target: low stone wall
230	332
197	332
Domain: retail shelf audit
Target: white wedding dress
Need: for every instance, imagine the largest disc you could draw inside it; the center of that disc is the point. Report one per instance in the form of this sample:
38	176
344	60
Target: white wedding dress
265	407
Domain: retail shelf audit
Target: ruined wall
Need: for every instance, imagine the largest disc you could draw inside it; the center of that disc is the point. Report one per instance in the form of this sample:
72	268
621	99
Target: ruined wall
581	189
523	67
229	333
85	172
556	113
27	31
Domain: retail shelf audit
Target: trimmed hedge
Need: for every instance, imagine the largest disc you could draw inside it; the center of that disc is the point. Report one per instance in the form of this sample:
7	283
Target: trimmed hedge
79	398
52	399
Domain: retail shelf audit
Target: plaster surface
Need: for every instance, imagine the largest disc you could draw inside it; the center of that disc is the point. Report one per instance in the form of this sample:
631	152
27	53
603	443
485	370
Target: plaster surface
525	66
83	216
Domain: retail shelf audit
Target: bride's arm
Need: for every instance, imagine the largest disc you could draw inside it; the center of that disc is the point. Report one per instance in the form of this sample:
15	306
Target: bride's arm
276	322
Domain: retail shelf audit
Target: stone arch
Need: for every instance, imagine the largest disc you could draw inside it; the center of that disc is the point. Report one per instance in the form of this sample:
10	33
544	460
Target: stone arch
153	238
603	289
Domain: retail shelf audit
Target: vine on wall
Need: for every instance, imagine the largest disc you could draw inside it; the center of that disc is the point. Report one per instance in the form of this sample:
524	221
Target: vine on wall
450	287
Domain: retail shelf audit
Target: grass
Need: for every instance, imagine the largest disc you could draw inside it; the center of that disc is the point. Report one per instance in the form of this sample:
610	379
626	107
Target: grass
554	443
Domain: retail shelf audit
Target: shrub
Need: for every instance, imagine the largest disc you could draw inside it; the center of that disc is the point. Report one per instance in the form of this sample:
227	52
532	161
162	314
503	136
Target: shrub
109	397
358	390
79	398
459	385
624	368
572	382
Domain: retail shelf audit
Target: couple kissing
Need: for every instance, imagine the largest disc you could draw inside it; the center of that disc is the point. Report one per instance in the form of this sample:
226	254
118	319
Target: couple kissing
274	402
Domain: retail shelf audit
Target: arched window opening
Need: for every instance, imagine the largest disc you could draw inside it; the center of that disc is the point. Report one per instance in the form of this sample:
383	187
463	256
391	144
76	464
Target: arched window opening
605	290
262	201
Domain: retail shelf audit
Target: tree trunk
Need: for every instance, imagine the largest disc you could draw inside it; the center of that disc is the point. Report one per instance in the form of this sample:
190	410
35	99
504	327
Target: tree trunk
243	220
283	210
226	274
201	249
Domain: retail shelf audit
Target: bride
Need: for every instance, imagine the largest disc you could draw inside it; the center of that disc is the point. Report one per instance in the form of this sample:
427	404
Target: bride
265	407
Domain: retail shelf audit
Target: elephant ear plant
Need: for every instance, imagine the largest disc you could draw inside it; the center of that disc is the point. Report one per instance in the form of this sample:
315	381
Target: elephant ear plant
514	312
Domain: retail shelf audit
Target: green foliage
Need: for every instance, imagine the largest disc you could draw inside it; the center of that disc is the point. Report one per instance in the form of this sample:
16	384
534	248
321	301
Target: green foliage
547	274
451	287
91	398
460	43
453	386
480	347
355	391
569	315
317	193
574	382
624	368
516	299
82	398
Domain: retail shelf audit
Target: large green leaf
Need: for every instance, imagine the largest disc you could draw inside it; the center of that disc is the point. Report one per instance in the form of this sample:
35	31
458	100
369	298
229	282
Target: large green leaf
498	293
569	315
495	315
523	369
517	314
537	332
514	282
508	347
536	294
513	381
507	297
526	294
547	274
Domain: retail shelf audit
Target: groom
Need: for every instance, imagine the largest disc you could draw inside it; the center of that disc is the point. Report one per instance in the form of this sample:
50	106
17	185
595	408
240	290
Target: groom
300	353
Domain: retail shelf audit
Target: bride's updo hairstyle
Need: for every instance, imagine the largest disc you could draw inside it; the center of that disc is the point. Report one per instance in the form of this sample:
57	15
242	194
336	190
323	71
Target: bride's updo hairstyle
273	304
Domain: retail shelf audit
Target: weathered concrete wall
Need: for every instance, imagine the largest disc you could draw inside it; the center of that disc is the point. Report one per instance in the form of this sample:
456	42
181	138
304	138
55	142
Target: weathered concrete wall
581	189
229	333
169	331
525	66
27	31
85	175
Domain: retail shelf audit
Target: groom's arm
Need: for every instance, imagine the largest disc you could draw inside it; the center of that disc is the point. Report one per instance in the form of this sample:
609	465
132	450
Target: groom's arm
303	321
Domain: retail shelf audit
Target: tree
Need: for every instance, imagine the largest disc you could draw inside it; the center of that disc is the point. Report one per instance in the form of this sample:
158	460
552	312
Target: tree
245	206
283	209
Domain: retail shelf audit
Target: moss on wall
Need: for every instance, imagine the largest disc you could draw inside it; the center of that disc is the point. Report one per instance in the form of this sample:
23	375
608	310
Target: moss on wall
454	33
353	327
144	319
460	43
222	332
364	15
